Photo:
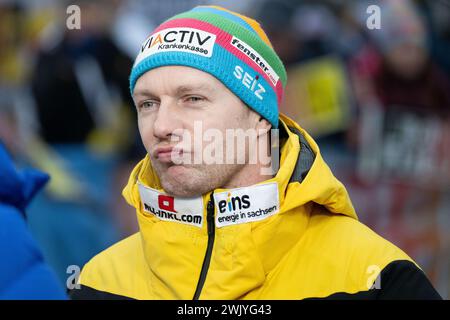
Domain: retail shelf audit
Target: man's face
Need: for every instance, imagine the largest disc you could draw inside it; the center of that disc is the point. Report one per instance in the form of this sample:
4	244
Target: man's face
169	100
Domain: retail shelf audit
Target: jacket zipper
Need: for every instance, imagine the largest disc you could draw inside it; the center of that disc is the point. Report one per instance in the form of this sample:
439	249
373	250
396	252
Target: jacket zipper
211	235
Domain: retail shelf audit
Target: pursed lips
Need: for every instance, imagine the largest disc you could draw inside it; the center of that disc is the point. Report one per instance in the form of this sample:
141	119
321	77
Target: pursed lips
168	153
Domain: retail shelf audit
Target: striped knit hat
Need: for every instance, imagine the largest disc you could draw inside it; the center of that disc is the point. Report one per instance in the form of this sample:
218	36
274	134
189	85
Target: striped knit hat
231	47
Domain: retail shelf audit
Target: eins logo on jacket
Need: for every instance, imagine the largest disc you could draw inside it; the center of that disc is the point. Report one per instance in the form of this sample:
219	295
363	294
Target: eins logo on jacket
233	203
247	204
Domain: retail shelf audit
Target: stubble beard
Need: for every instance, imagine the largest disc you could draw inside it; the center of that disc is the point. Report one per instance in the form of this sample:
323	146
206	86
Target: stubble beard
194	180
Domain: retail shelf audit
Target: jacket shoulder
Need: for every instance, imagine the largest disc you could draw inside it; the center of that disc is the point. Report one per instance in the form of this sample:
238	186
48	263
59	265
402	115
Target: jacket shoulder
358	262
355	244
115	273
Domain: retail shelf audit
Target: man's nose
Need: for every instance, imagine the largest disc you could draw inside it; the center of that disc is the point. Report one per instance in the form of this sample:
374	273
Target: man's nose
167	121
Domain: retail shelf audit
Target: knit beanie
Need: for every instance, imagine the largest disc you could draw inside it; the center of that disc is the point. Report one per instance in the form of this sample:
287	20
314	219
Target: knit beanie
230	46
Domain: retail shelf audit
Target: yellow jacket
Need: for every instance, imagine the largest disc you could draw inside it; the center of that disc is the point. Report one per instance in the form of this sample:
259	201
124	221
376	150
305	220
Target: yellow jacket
303	241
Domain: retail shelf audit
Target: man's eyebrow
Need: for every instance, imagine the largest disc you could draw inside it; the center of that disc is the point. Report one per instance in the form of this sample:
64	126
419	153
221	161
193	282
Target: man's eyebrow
182	89
144	92
189	88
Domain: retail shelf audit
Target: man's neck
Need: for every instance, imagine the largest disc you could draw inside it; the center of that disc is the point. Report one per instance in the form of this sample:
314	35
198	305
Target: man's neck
249	175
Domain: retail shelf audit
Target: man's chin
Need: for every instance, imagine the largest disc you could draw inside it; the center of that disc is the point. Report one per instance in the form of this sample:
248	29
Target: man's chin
177	172
179	181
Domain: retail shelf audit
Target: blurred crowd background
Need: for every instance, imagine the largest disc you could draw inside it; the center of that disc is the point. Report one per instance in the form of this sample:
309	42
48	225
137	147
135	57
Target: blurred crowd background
377	101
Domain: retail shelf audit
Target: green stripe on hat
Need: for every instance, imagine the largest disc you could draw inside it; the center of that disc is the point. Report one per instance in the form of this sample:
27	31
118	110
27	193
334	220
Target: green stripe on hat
242	33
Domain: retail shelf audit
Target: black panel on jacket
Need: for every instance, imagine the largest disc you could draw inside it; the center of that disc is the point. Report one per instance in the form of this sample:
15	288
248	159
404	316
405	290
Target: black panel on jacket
88	293
399	280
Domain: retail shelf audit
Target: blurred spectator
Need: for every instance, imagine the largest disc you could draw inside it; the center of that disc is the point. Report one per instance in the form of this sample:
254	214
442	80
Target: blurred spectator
23	272
80	90
396	78
401	133
137	18
80	80
71	220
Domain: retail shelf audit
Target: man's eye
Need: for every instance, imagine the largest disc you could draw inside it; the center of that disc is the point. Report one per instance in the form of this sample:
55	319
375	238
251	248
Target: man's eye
194	99
148	104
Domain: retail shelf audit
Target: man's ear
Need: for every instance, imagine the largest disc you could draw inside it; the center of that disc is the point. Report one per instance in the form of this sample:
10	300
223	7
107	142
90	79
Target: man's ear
263	126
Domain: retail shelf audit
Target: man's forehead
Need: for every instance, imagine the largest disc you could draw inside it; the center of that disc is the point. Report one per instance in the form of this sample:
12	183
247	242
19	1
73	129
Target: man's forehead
176	80
174	88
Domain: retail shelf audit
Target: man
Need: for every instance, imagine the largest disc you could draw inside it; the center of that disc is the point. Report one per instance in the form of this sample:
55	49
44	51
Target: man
23	271
233	229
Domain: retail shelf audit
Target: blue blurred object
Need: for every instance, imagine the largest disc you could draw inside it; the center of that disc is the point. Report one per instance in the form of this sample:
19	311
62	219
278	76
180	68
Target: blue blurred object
23	272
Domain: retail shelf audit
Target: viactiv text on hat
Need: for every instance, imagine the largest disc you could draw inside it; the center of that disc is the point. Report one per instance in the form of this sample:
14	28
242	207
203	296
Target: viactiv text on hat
231	47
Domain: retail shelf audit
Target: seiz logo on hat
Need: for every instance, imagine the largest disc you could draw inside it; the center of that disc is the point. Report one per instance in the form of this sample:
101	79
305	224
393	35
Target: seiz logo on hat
178	39
251	83
249	204
181	210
